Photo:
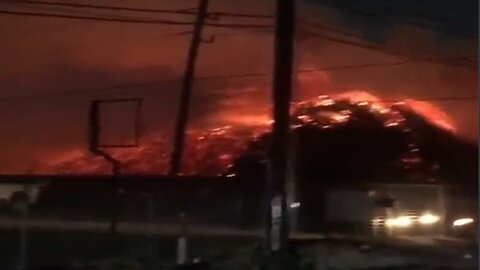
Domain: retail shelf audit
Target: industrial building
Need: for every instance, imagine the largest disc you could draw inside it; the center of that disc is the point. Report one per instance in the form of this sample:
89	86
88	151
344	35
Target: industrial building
380	209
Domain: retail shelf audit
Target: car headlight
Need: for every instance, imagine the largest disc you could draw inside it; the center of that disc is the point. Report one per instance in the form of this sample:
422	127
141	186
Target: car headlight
462	222
401	221
428	219
295	205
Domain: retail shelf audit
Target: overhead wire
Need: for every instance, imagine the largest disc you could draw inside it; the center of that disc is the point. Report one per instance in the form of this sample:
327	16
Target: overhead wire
457	61
323	27
221	25
333	68
136	9
128	20
224	25
133	86
64	93
228	25
316	25
388	15
91	18
240	15
464	59
385	14
101	7
448	99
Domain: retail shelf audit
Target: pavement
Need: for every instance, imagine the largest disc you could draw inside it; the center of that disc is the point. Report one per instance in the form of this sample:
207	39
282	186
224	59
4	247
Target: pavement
123	227
418	253
332	251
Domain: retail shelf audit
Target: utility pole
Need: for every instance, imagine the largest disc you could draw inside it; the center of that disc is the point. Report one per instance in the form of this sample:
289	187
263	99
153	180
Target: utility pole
184	106
277	225
22	205
292	194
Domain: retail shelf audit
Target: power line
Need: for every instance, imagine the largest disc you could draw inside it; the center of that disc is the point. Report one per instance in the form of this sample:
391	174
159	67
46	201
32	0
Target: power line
64	93
132	9
91	18
385	15
239	15
231	25
324	27
389	13
125	20
449	99
263	74
384	50
118	8
200	78
367	13
464	59
187	12
78	92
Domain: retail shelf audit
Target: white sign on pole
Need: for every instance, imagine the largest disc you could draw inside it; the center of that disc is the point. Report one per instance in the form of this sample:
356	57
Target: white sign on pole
275	236
182	251
276	205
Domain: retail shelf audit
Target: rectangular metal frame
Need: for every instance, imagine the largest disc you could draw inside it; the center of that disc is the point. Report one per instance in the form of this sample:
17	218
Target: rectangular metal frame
95	110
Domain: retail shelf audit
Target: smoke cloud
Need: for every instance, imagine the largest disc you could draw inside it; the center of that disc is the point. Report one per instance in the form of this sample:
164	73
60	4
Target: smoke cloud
89	59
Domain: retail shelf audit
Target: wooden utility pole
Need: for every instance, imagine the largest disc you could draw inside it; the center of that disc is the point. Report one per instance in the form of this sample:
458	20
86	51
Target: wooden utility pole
277	225
184	106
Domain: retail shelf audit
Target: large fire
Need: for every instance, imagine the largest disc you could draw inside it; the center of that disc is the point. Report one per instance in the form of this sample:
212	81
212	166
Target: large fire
211	152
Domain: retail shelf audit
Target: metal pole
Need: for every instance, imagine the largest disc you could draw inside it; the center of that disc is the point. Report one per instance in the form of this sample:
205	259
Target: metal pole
94	133
23	239
277	235
443	208
184	106
23	230
182	242
95	146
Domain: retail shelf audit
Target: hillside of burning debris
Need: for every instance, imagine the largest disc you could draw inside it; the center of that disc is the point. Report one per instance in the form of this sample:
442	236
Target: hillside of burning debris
351	136
347	140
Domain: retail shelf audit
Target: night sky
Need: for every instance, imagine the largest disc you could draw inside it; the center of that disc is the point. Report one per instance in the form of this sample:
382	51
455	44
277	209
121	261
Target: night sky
52	68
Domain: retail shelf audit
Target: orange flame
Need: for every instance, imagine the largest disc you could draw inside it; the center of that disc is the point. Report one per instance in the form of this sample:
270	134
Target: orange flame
212	151
431	113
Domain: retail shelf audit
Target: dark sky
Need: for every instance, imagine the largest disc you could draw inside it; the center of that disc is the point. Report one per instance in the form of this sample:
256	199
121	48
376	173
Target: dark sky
41	56
451	19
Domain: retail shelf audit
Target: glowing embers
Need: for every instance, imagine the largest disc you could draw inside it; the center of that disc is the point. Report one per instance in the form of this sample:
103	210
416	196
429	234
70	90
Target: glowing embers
430	112
213	151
